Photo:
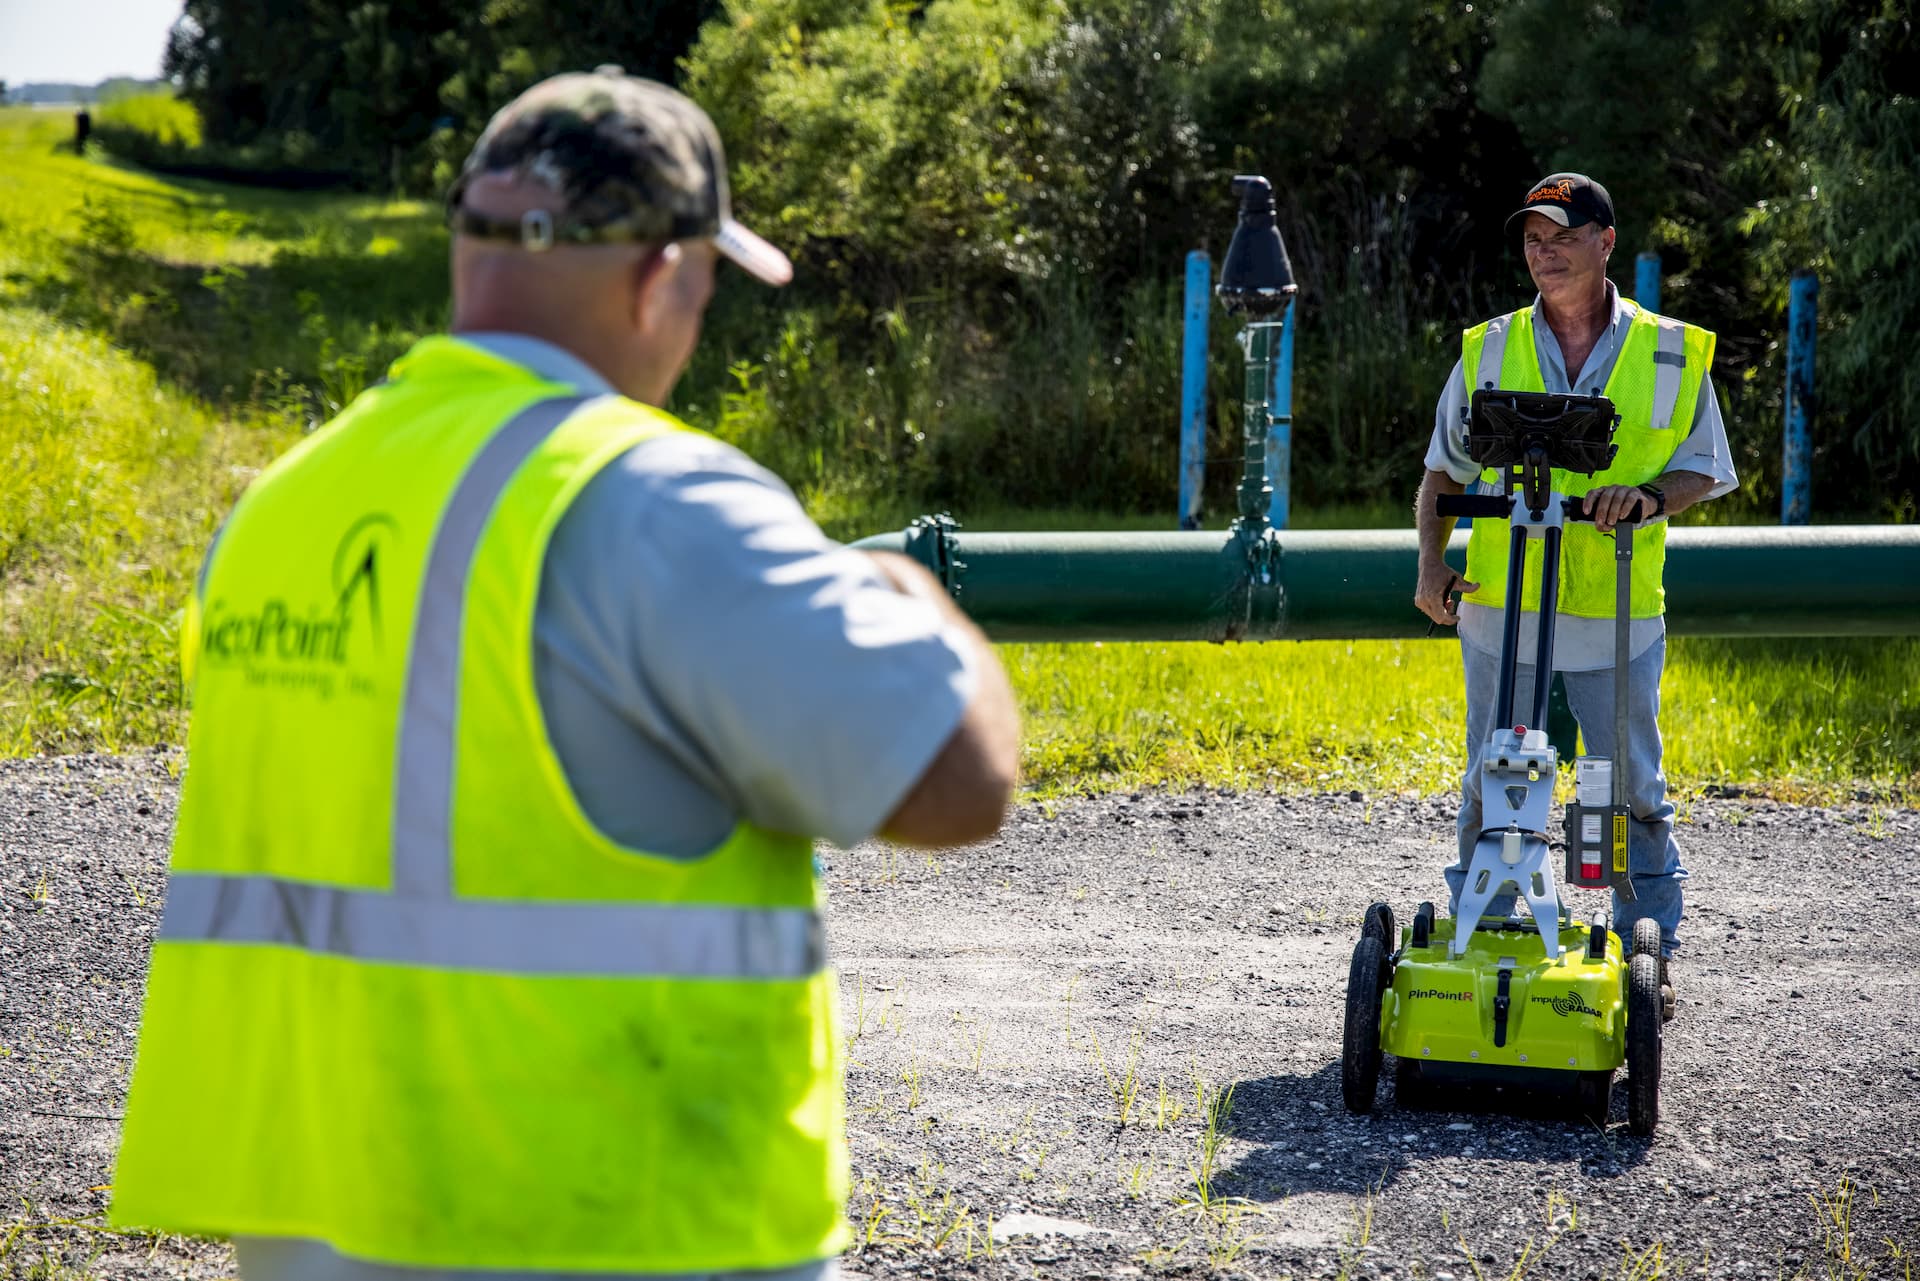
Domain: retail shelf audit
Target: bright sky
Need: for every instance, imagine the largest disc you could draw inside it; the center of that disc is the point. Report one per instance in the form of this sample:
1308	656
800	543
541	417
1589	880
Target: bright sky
82	41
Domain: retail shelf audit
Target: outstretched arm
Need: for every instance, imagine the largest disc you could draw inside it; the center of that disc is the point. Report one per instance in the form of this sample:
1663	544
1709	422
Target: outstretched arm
963	795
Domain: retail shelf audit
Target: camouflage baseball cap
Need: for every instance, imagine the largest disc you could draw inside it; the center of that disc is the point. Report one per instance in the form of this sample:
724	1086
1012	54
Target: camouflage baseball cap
628	160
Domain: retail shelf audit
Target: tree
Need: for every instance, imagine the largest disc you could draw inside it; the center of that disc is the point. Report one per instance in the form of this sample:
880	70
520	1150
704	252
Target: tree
1846	210
494	50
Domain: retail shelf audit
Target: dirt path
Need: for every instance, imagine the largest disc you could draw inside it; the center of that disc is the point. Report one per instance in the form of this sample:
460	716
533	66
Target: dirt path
1040	1028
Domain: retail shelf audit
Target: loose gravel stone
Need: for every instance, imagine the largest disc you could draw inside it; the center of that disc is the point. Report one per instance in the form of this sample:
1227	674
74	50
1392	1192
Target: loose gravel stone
1124	1013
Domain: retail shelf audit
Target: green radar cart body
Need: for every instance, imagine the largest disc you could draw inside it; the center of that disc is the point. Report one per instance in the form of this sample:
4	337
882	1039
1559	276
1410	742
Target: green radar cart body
1541	1001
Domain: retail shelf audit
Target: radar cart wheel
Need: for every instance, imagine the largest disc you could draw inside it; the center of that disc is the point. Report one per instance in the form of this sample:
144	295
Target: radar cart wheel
1360	1047
1379	922
1644	1036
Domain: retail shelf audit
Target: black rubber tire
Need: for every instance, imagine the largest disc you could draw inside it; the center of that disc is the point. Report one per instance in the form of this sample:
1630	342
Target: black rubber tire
1360	1040
1597	943
1379	922
1594	1092
1645	1029
1646	937
1422	926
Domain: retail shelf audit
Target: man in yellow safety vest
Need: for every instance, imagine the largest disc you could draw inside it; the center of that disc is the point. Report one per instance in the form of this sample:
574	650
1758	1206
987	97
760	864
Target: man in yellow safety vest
492	944
1581	336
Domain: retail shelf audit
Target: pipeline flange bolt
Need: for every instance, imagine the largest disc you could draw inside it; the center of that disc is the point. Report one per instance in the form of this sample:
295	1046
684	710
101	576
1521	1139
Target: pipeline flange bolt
1260	613
930	540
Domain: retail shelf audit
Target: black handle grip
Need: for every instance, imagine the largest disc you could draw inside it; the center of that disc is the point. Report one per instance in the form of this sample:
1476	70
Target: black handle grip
1475	505
1576	509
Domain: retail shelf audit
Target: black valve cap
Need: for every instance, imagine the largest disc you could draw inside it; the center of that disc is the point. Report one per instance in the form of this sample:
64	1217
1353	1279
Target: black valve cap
1257	276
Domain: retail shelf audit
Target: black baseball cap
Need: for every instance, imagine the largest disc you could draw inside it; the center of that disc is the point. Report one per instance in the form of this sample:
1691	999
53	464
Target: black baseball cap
1570	199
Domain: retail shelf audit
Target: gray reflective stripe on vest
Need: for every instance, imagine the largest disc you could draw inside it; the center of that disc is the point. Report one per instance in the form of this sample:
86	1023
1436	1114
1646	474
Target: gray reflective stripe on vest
420	922
1493	353
423	791
292	1259
1669	367
621	940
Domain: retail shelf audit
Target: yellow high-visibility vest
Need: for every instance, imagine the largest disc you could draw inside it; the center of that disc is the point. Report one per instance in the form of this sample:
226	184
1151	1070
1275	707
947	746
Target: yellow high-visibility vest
1655	387
406	998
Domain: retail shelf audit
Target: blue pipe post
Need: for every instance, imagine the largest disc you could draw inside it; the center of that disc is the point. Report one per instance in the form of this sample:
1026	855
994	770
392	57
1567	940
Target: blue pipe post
1193	388
1280	434
1796	481
1646	280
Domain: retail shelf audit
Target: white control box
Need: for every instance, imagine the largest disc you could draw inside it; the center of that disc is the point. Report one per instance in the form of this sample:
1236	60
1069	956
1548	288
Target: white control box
1593	781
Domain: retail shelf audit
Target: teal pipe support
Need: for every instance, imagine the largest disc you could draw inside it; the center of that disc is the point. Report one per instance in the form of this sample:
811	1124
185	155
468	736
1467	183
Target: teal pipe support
1646	280
1280	434
1796	478
1193	388
1259	341
1819	580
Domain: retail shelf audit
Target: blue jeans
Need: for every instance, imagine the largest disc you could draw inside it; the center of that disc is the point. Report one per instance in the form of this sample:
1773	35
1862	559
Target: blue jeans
1653	857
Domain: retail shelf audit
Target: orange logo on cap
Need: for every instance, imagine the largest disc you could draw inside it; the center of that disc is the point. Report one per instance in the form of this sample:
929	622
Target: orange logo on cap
1562	191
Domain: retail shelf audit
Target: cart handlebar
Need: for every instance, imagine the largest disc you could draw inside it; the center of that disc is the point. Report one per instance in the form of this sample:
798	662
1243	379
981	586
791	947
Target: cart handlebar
1499	506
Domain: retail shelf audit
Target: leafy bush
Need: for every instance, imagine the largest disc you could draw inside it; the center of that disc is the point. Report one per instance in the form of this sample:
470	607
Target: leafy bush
162	132
162	117
883	143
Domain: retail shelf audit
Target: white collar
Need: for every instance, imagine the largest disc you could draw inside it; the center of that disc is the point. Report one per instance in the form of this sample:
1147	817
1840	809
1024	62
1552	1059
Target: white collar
538	356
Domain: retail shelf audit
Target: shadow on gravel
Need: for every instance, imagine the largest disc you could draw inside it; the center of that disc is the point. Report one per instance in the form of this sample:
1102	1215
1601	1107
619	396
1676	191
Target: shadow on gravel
1309	1142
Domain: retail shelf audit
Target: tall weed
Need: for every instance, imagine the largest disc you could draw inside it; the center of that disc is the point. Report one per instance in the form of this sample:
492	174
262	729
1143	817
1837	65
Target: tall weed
1374	347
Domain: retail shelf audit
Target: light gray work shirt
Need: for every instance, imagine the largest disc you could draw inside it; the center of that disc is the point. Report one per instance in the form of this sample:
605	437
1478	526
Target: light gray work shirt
1579	644
703	653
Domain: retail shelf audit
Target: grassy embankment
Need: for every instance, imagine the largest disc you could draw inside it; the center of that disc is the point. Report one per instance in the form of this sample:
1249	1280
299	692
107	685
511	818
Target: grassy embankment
161	340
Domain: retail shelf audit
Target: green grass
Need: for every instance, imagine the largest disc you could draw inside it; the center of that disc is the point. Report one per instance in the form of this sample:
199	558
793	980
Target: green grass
1800	719
160	341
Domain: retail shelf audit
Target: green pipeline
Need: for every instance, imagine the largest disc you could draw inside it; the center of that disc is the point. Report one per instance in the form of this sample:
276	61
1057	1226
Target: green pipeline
1803	580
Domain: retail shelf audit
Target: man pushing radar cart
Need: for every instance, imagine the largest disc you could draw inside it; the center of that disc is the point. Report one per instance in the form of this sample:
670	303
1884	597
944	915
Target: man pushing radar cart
1494	996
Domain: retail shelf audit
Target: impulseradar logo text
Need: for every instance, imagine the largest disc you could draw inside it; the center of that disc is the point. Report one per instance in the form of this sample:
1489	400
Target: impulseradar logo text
1567	1003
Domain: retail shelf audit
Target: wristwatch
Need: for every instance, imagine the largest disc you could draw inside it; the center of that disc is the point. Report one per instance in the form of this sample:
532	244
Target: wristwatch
1659	497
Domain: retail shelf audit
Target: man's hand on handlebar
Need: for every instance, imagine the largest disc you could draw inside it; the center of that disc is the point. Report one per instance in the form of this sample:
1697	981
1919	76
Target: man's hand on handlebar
1611	504
1434	594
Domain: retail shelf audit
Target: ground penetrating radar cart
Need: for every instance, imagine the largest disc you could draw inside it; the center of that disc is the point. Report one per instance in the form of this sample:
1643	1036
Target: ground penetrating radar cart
1540	1001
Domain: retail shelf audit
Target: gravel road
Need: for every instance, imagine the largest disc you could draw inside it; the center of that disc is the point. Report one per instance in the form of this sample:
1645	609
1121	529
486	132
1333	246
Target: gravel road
1041	1028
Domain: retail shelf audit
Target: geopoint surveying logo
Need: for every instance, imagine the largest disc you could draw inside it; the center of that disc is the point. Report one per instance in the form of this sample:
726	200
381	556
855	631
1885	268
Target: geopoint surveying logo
356	567
1561	191
1567	1003
1435	994
278	632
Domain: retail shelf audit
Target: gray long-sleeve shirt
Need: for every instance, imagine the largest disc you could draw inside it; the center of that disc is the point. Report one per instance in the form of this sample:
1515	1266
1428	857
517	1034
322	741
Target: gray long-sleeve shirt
702	652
